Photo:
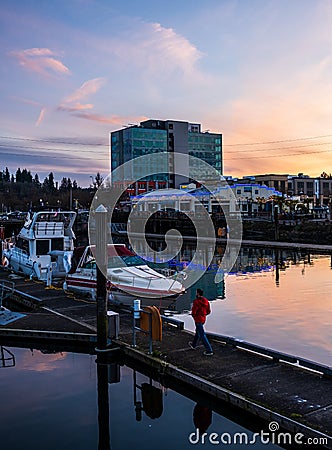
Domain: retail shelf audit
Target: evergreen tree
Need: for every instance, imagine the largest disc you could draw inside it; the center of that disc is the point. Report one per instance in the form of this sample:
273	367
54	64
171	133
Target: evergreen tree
63	184
36	180
6	175
48	183
98	180
18	176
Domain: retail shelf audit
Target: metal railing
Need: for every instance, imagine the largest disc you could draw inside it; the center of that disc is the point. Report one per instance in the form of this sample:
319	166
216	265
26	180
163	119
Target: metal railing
6	289
139	311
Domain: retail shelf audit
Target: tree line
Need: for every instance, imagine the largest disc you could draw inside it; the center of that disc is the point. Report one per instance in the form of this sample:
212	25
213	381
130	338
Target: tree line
23	191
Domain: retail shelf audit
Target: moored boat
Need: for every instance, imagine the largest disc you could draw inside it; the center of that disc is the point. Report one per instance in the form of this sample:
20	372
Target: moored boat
38	250
128	277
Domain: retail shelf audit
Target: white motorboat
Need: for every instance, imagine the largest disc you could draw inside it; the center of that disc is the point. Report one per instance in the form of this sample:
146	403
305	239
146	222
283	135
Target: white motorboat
128	277
38	250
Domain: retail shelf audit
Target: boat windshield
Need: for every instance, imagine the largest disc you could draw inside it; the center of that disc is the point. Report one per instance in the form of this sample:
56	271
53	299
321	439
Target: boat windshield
130	261
114	263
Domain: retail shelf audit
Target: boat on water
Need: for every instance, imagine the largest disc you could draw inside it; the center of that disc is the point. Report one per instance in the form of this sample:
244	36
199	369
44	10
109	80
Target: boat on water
38	250
128	277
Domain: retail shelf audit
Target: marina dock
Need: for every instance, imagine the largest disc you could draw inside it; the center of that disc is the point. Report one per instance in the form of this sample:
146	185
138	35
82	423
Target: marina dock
264	384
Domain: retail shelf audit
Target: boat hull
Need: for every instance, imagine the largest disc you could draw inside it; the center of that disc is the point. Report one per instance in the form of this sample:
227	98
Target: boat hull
124	296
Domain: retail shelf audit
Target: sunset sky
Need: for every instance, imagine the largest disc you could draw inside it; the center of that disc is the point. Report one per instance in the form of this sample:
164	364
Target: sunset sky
258	71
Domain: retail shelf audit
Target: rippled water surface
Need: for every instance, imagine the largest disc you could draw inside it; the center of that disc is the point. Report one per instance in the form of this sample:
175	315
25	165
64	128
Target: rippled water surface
290	311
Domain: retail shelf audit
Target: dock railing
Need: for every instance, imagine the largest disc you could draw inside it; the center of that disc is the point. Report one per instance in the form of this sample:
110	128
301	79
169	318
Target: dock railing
273	354
6	289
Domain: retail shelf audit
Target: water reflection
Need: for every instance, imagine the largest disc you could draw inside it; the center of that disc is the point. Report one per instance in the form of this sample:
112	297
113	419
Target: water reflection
104	441
279	298
287	308
202	417
7	358
80	404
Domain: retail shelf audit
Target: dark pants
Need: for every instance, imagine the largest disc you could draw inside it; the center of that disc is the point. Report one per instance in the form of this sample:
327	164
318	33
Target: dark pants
200	334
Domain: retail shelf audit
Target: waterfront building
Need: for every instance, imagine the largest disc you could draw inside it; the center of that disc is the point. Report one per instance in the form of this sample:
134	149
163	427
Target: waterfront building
249	199
164	137
272	180
318	190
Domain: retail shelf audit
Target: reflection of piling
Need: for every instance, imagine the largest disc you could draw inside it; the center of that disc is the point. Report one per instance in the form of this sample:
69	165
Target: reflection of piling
276	223
277	266
101	258
103	405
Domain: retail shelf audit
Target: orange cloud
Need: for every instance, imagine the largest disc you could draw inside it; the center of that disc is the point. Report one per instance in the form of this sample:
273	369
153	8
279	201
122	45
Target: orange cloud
40	60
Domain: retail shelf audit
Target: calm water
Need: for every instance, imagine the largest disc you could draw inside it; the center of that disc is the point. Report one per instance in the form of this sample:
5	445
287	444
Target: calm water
49	401
290	311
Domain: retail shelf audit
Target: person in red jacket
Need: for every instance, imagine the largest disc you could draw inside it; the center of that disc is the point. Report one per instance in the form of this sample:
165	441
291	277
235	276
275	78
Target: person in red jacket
199	311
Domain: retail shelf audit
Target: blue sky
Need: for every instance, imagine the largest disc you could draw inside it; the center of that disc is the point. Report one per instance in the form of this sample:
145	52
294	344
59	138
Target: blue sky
258	71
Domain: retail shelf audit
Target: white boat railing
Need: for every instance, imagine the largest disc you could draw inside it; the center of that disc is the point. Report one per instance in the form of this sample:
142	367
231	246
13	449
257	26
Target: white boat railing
49	229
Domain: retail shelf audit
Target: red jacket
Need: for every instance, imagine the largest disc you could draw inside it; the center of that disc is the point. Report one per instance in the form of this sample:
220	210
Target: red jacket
200	309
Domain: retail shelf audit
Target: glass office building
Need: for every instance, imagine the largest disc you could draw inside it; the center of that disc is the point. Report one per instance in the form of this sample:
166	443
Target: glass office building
164	138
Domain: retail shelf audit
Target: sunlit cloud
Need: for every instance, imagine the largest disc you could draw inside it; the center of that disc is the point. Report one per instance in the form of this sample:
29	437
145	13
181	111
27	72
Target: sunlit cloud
155	48
40	117
75	107
40	60
26	101
112	120
88	88
72	103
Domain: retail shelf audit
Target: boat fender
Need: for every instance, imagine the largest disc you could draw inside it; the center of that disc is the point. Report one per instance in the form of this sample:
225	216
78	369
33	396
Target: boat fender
182	275
5	262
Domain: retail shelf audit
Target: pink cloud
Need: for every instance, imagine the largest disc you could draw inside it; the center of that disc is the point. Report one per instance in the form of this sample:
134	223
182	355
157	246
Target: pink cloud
88	88
27	101
75	107
113	120
155	46
40	60
40	117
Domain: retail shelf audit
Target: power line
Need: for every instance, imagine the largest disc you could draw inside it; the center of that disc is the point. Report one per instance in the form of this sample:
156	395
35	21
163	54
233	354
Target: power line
107	145
279	156
31	155
80	151
45	148
281	148
50	141
277	142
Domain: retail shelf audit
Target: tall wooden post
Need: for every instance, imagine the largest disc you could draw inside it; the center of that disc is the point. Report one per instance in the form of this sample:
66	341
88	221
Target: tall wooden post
101	258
